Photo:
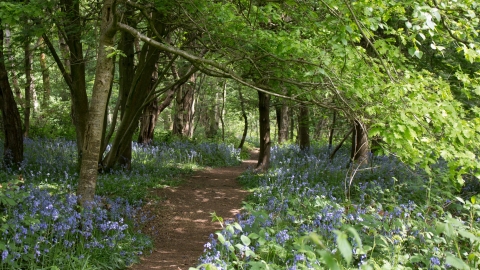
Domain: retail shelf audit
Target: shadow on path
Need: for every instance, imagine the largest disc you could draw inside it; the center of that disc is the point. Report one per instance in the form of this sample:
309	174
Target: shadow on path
182	222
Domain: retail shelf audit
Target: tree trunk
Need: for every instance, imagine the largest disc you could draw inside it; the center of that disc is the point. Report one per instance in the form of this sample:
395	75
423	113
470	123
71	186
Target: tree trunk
282	113
213	117
332	130
65	52
319	129
101	89
12	125
120	151
126	69
245	119
28	87
11	59
46	79
222	115
72	29
185	108
359	153
292	125
264	120
303	128
148	120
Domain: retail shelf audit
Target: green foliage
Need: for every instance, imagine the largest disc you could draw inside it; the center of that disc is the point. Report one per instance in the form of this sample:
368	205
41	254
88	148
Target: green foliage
396	218
53	122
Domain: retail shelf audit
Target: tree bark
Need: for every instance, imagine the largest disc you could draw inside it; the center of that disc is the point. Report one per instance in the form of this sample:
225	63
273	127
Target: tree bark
292	124
11	59
101	88
45	78
213	117
264	120
245	120
282	113
72	30
304	127
184	109
12	125
126	69
65	52
359	153
28	87
148	120
120	151
332	130
222	115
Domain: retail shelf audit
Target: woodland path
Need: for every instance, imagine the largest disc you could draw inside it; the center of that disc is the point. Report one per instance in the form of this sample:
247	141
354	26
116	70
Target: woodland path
182	222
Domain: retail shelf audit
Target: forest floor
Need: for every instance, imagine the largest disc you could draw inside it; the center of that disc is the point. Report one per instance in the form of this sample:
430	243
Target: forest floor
182	220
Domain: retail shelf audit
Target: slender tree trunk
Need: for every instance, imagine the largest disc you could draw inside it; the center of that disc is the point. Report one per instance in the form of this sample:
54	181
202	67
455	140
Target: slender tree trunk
12	125
11	59
282	114
359	153
126	69
103	80
120	151
245	120
319	129
72	31
28	87
213	117
332	155
45	78
182	122
292	125
65	52
332	130
222	115
265	143
304	127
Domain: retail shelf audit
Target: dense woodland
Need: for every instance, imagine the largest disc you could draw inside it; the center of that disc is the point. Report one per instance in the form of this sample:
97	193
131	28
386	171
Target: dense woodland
366	114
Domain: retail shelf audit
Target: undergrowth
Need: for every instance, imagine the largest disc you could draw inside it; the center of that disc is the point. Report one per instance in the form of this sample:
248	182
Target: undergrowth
308	212
42	227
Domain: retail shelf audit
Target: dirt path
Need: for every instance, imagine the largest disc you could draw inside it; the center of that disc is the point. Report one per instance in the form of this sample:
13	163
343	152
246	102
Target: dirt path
183	222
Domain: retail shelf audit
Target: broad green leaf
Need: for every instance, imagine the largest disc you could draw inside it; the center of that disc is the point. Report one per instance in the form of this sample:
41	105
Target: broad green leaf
344	246
220	237
468	235
329	260
245	240
356	236
456	262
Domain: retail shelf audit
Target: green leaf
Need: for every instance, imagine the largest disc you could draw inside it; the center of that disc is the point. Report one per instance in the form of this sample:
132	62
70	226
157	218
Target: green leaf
9	201
468	235
356	236
245	240
237	226
456	262
344	246
220	237
329	260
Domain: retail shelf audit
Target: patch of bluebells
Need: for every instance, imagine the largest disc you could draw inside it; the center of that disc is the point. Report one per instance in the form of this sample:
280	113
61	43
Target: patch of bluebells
47	226
43	229
303	193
